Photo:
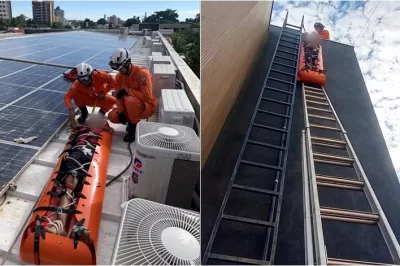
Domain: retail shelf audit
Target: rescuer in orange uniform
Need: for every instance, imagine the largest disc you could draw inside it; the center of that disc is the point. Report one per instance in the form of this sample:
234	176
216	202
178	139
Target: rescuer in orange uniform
134	92
323	34
90	89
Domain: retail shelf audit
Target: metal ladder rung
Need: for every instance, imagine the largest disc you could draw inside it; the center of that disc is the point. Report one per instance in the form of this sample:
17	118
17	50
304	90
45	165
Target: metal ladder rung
325	127
297	43
317	93
279	80
325	142
293	26
311	89
266	145
333	162
333	157
336	141
275	101
319	109
290	37
342	180
284	65
314	102
291	31
278	90
257	190
261	165
339	182
322	117
283	51
270	128
282	72
247	220
284	57
237	259
272	113
315	97
349	215
287	46
333	261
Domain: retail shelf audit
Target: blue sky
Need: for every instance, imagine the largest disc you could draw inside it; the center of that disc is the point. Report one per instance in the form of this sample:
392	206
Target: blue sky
123	9
372	28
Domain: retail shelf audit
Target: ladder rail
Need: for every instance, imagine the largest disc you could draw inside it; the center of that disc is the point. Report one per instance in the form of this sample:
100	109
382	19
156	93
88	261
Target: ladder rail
308	234
319	245
385	227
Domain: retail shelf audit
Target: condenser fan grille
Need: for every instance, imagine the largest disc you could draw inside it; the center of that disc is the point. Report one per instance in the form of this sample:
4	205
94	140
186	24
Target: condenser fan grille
156	234
170	137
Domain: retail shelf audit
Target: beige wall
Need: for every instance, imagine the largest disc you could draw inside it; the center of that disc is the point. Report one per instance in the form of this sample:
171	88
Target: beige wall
231	35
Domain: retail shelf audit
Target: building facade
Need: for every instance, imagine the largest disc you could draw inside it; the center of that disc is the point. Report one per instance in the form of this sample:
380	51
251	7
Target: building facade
113	20
247	23
43	12
5	10
58	14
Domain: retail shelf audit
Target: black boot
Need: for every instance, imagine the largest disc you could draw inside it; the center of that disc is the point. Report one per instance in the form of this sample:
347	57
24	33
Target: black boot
84	115
130	137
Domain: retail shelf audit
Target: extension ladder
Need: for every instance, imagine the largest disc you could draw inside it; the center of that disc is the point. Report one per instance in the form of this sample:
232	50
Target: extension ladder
318	107
273	113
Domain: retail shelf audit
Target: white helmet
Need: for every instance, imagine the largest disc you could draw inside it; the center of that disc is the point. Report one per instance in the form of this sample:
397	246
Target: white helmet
119	58
84	69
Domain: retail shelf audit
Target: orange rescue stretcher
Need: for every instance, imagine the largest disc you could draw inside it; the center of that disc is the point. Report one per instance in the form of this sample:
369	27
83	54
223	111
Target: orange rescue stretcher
305	74
40	247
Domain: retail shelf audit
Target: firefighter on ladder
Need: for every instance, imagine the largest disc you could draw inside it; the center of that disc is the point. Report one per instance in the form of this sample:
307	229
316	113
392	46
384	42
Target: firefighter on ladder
134	93
90	89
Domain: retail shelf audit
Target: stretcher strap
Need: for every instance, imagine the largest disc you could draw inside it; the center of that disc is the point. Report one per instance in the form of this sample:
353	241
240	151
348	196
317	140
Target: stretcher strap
39	232
57	210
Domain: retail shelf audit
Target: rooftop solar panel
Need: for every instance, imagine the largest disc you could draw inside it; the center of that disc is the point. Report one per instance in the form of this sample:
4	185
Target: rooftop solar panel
44	100
23	122
24	79
12	159
45	71
59	84
10	93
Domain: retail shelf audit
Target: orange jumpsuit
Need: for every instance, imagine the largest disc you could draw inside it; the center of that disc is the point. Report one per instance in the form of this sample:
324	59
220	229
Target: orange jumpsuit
324	35
139	103
87	96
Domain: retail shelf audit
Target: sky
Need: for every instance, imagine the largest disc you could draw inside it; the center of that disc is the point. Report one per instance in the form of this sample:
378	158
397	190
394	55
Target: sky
95	10
372	27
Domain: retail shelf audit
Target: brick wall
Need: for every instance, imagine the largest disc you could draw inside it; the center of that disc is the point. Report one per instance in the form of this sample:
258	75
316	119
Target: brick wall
231	35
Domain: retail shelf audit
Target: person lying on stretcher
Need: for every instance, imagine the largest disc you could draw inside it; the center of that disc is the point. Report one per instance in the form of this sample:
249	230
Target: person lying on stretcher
76	159
311	49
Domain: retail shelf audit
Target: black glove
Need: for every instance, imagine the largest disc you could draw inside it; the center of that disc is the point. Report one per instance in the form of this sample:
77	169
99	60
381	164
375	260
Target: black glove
122	118
121	93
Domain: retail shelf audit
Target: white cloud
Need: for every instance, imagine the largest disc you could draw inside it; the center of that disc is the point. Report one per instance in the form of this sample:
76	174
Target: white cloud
373	28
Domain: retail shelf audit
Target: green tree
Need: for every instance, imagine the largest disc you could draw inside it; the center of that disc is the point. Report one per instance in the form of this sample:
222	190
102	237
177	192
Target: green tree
130	21
166	16
102	21
195	20
56	25
88	24
187	43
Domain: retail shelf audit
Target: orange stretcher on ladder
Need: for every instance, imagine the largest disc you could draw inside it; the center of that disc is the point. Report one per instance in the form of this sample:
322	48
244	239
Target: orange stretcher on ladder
40	247
308	75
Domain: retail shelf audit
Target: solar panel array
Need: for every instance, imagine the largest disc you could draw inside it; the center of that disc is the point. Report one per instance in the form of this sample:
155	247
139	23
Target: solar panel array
31	96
